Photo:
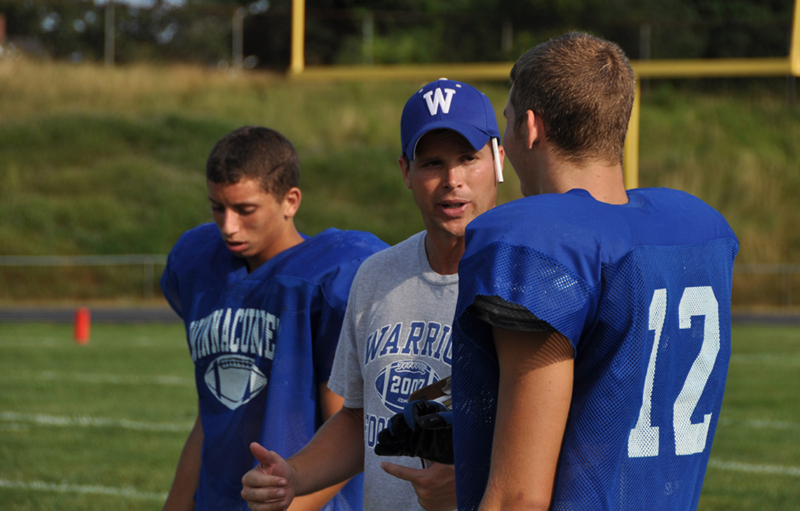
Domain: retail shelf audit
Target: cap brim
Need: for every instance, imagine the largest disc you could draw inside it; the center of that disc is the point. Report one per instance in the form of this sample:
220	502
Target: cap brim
476	138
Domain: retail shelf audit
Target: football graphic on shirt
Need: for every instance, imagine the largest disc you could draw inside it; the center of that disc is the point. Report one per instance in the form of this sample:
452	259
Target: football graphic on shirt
234	380
399	379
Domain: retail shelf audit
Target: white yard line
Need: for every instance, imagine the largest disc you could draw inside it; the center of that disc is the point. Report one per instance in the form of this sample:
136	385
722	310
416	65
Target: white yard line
68	342
761	424
31	342
89	422
752	468
115	378
101	378
786	360
130	493
85	421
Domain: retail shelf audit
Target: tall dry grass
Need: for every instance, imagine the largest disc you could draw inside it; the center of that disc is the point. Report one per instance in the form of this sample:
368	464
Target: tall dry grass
740	152
96	160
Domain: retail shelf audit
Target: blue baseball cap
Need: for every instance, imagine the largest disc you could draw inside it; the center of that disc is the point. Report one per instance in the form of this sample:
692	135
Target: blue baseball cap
451	105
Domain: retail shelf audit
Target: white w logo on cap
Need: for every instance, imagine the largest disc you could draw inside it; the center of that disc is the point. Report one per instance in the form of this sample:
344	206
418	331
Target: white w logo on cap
439	99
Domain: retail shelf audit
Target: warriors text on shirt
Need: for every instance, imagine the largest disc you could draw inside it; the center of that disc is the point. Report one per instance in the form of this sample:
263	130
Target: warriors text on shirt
250	331
425	339
408	366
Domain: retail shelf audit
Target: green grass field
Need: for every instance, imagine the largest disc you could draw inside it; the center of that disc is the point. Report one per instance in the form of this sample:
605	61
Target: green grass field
111	161
98	426
101	426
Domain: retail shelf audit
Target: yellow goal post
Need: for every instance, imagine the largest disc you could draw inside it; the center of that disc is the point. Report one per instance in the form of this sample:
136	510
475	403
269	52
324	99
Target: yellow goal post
664	68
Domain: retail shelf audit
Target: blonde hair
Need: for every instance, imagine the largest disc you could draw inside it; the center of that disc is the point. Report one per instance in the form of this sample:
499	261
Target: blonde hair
582	87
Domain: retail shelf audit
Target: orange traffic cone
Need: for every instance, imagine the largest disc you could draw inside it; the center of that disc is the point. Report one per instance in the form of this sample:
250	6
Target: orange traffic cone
82	325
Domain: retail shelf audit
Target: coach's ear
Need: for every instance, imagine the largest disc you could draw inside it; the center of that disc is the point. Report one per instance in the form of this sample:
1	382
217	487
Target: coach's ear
404	164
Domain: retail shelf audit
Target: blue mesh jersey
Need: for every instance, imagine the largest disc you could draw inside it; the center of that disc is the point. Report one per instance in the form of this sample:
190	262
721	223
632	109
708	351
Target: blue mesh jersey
261	344
642	291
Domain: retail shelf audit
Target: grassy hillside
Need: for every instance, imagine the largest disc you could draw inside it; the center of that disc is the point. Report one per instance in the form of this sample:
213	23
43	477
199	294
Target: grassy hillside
98	161
738	152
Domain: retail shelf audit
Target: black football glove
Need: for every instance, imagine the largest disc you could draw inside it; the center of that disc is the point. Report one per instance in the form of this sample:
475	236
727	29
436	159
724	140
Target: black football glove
424	429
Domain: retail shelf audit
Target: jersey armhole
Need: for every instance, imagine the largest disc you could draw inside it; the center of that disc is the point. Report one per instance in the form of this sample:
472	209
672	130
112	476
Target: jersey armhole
507	315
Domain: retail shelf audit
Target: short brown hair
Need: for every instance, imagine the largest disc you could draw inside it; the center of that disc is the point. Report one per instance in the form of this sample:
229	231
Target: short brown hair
255	152
582	88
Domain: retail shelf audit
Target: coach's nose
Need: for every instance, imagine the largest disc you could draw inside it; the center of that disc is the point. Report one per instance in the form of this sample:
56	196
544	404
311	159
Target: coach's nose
455	176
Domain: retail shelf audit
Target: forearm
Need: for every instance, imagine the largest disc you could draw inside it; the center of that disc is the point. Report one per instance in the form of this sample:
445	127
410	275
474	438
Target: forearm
330	405
334	455
187	475
315	501
534	396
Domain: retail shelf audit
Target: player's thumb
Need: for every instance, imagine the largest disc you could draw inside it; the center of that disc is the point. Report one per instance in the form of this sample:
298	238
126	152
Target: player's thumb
263	455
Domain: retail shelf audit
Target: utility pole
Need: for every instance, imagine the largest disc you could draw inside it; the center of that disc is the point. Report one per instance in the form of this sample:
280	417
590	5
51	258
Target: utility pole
109	34
368	45
2	29
791	88
238	38
507	37
645	48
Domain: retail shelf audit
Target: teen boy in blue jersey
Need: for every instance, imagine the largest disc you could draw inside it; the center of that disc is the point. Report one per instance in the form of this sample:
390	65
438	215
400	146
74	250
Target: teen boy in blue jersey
592	332
396	335
263	306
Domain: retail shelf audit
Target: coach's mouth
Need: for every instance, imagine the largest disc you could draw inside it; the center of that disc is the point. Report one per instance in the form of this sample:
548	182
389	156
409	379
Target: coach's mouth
454	208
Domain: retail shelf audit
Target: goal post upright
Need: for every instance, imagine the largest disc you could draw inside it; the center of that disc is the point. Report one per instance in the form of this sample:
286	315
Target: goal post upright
298	61
678	68
630	157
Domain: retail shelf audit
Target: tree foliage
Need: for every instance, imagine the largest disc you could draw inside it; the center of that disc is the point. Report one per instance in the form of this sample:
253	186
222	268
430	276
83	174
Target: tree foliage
403	31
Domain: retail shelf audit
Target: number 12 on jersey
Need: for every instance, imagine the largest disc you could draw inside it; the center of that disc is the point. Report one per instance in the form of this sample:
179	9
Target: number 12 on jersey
643	440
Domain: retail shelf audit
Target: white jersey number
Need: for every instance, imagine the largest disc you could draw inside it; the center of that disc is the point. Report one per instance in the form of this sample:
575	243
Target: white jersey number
689	438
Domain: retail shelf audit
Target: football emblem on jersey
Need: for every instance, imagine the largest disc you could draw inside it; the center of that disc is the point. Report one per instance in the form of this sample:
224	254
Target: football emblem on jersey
399	379
234	380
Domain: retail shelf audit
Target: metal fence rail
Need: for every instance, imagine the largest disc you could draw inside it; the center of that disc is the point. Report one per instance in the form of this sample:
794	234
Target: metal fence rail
774	268
148	262
89	260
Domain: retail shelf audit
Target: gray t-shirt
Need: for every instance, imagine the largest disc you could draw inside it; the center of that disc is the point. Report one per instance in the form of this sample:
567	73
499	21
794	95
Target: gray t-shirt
396	338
